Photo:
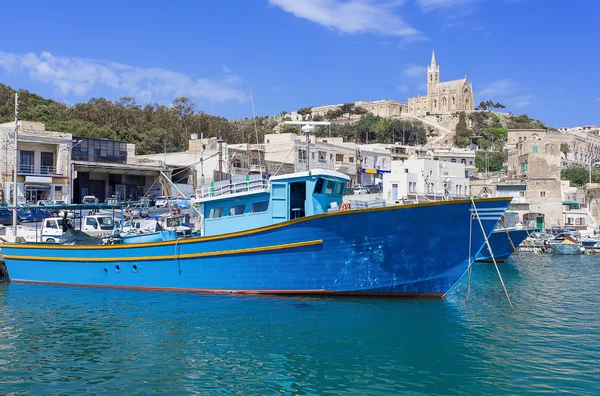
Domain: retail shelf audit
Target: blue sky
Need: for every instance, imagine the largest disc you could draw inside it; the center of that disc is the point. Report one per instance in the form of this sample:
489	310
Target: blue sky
539	57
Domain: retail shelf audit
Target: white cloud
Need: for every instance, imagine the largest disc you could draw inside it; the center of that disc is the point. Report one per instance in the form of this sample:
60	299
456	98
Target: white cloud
414	71
351	16
77	76
506	90
523	101
428	5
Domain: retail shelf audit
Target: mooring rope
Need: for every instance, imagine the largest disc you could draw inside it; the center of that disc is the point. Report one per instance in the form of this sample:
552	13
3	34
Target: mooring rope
487	242
177	255
519	256
470	268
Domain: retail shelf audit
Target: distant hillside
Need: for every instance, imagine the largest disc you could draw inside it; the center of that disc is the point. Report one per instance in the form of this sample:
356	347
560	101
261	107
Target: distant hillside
149	126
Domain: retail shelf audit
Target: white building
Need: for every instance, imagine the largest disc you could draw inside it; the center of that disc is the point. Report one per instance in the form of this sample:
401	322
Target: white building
43	160
414	178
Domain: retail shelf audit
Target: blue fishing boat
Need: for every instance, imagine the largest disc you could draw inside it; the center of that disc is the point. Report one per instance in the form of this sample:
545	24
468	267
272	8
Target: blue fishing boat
291	236
501	244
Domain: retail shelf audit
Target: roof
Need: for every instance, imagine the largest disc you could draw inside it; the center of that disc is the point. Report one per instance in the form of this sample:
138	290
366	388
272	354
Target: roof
313	172
449	86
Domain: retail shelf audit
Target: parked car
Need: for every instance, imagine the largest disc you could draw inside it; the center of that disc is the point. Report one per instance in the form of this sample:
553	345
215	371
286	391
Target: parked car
140	211
358	189
53	211
162	202
181	203
32	214
89	199
6	217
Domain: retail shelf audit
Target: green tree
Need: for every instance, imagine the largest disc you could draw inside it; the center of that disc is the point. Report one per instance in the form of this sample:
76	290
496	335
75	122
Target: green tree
578	175
490	161
463	133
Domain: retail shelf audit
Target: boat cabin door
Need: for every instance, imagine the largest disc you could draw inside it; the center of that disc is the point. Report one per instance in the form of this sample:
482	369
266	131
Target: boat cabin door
279	202
288	201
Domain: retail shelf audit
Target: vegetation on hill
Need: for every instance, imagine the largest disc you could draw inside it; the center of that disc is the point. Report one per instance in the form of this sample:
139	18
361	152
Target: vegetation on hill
151	126
372	129
579	175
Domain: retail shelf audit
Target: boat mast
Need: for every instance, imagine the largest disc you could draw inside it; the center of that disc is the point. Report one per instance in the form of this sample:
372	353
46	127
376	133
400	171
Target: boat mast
15	164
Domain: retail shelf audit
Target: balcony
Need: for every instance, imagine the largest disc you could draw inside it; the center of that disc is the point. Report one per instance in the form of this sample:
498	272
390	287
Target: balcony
25	169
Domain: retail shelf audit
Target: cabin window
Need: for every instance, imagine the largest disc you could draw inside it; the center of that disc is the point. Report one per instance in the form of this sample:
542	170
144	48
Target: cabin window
215	213
260	206
237	210
319	186
51	224
330	187
338	188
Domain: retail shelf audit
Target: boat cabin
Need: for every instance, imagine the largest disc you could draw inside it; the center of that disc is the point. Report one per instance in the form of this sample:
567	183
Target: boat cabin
287	197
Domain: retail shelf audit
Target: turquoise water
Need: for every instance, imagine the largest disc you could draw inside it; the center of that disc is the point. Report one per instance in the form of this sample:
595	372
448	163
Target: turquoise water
68	340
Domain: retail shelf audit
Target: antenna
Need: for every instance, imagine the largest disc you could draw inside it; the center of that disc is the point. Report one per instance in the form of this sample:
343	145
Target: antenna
256	131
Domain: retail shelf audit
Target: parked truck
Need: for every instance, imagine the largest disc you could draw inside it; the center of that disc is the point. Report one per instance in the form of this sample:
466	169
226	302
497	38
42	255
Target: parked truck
52	229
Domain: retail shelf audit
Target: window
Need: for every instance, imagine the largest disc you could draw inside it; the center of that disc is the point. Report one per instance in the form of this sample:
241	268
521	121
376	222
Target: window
322	156
215	213
580	221
470	162
453	160
463	161
91	222
47	162
412	186
330	187
312	155
350	159
237	210
262	206
237	163
521	193
255	161
338	189
51	224
534	149
302	155
405	170
319	186
26	165
542	194
339	157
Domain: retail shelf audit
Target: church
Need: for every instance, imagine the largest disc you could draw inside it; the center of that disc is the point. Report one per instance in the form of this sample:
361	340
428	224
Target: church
442	97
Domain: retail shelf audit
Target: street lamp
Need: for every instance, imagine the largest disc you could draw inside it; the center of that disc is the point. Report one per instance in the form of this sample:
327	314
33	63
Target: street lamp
71	169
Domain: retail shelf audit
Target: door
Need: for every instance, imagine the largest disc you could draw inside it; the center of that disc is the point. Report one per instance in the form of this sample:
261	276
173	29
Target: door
279	201
540	223
394	192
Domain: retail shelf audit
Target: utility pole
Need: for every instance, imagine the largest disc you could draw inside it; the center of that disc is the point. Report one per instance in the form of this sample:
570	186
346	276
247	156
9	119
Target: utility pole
14	220
201	159
220	141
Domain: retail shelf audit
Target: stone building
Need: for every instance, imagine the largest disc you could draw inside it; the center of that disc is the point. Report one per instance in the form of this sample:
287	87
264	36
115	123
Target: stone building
442	97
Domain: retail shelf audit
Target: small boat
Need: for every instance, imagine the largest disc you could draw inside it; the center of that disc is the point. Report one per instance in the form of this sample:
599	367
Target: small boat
157	236
501	244
564	244
293	236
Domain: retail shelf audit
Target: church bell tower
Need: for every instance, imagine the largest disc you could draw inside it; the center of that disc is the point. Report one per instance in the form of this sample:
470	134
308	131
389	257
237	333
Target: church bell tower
433	74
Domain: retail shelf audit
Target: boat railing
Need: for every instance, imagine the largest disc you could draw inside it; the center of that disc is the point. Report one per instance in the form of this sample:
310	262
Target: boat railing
227	187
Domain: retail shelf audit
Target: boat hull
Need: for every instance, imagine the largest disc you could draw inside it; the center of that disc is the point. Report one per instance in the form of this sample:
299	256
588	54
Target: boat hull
565	249
501	246
384	251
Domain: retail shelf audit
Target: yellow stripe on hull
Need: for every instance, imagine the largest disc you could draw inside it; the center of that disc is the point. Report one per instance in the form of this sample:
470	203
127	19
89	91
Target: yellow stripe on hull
173	257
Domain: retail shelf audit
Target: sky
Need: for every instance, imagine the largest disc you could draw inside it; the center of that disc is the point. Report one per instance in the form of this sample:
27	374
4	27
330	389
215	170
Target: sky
537	57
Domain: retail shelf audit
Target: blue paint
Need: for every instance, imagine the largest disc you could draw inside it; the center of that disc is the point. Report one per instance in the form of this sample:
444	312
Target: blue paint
500	244
418	249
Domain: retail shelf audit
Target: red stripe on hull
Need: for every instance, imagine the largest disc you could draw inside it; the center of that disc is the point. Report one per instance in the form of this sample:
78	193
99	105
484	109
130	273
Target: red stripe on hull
245	292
